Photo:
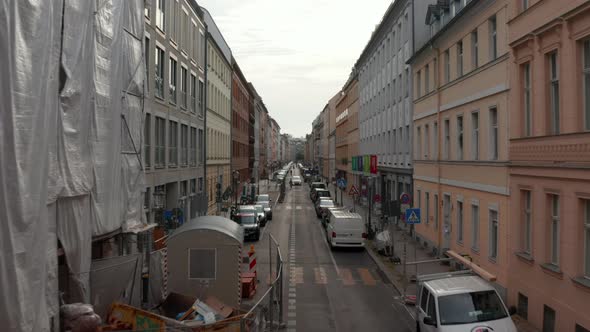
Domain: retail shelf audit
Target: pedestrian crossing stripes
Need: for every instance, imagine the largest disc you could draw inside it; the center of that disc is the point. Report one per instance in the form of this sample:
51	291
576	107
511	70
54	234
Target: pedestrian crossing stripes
320	276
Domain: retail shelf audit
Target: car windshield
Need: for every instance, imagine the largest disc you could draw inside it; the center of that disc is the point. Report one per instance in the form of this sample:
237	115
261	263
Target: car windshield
295	178
247	209
263	198
470	308
326	203
248	219
323	193
264	204
259	208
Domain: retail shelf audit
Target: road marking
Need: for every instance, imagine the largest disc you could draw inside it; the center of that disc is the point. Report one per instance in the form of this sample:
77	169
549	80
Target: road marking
292	301
291	323
292	307
292	314
292	295
297	274
329	250
289	207
346	277
320	276
298	207
367	277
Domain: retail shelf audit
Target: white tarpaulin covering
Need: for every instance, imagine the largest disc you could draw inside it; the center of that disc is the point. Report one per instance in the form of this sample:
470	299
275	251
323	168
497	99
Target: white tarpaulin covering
70	133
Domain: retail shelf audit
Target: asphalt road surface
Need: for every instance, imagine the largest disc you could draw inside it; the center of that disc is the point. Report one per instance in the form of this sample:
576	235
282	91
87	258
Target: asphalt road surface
340	290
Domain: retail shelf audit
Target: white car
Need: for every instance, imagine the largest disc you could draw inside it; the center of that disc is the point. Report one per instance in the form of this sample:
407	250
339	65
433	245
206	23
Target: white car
461	303
345	229
296	179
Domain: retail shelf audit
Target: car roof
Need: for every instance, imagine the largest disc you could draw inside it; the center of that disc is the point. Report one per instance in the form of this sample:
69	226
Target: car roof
245	214
457	285
247	207
325	201
345	214
320	189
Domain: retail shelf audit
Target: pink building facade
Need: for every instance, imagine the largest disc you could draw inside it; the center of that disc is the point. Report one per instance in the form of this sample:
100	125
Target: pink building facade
549	243
460	136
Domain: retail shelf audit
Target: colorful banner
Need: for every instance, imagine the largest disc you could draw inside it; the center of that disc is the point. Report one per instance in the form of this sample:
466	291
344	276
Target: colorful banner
373	164
367	164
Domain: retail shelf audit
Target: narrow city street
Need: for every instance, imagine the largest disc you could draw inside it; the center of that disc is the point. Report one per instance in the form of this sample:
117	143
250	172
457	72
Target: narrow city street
340	290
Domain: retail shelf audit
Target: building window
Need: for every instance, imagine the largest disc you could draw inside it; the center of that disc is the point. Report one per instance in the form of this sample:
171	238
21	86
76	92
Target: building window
527	219
526	79
147	140
160	142
493	234
201	143
173	144
459	221
436	210
460	59
548	319
427	209
172	78
475	136
200	184
160	14
407	86
146	53
474	50
193	143
523	306
447	66
553	93
493	38
586	84
493	133
418	143
159	71
418	84
460	137
554	230
201	96
193	93
447	139
426	142
184	87
435	138
586	204
524	4
475	227
427	79
183	144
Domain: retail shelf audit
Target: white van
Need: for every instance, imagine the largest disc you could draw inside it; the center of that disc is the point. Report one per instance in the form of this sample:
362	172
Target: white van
464	303
345	229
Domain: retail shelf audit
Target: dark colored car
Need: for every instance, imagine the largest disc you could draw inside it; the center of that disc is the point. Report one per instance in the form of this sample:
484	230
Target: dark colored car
250	223
322	205
317	193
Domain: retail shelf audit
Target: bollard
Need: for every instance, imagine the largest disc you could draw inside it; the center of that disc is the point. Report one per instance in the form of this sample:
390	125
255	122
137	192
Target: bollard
252	261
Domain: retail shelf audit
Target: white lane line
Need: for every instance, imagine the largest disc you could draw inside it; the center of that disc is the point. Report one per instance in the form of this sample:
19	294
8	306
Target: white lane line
292	301
289	207
329	250
291	323
292	307
298	207
292	314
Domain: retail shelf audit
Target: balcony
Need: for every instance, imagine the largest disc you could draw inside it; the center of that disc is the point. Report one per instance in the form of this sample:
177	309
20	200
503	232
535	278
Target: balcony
568	148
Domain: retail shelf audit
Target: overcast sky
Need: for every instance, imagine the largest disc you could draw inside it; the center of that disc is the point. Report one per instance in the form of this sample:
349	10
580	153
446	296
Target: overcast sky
298	54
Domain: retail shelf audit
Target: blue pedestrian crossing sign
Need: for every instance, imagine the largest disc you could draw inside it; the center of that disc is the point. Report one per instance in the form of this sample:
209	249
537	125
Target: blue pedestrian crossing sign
412	216
341	183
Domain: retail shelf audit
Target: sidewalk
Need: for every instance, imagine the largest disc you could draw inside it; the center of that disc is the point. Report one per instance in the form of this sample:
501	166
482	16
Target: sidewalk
414	252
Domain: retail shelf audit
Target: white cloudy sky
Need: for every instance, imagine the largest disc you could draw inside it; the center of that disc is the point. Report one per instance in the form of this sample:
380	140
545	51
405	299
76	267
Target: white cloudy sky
297	54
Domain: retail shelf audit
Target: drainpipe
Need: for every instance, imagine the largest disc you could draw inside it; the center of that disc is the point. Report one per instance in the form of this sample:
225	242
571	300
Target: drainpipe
438	149
205	121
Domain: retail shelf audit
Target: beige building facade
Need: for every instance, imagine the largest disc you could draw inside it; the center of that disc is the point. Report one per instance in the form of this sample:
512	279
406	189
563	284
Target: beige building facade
460	135
347	133
218	117
549	245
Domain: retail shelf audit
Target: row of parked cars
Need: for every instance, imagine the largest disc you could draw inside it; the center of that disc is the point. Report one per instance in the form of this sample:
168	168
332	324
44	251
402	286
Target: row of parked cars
253	217
342	227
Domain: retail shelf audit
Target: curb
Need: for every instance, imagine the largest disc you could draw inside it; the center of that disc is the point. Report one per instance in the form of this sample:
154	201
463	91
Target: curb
375	257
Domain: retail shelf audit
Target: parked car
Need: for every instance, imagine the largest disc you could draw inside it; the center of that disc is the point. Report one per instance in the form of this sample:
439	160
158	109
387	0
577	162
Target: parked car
296	180
267	209
461	303
263	198
328	211
317	193
250	223
345	229
258	210
322	205
314	185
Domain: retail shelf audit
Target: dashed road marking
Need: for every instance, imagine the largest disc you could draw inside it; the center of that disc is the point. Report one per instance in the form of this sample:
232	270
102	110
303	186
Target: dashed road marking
298	207
346	277
367	277
320	276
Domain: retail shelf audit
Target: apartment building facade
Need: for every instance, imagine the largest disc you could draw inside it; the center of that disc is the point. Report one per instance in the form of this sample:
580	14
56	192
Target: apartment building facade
173	149
241	107
385	89
549	152
218	117
460	133
347	133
